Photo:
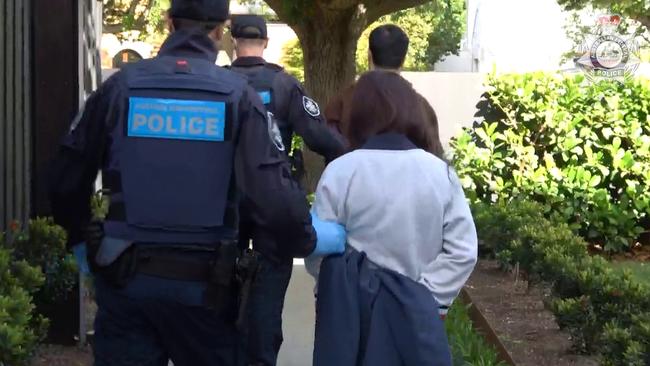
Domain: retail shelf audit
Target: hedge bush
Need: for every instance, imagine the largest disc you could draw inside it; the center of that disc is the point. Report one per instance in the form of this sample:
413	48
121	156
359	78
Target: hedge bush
468	347
43	244
20	329
582	150
604	310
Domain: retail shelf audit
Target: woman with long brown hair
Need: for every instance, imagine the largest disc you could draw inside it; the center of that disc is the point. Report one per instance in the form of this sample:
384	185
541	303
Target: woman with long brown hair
411	238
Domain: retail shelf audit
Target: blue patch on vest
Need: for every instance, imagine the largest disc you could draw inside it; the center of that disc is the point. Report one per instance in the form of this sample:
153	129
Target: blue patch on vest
266	97
176	119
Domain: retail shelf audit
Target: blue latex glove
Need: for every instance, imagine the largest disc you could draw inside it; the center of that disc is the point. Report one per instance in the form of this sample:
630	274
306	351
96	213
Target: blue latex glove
331	237
79	251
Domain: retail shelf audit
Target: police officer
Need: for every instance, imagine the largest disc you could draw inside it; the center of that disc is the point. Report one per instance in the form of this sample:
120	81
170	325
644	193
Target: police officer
295	112
179	142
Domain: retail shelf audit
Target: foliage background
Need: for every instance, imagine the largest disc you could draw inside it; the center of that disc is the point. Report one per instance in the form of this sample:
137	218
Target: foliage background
606	311
435	31
582	150
20	328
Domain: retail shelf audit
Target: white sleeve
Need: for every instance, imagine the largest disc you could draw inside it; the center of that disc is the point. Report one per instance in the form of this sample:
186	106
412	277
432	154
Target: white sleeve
329	205
447	274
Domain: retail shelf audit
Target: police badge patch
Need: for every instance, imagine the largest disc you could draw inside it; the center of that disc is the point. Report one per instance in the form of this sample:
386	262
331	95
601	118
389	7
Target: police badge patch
311	107
274	131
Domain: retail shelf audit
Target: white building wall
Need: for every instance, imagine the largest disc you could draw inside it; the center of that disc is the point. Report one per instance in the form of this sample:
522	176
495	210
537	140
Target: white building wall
512	36
452	95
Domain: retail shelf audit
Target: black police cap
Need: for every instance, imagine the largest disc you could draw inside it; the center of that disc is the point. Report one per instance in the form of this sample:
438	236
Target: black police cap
248	26
201	10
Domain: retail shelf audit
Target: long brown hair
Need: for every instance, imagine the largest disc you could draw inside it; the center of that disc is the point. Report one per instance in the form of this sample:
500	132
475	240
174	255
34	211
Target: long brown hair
385	102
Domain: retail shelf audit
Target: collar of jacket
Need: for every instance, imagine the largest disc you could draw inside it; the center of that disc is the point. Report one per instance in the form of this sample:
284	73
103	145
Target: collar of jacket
191	44
389	141
249	61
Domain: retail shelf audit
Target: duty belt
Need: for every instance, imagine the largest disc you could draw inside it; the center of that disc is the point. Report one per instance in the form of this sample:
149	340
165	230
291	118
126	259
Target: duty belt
168	266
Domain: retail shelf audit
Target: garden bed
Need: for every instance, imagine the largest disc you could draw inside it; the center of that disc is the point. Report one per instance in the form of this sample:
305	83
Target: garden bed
50	355
518	316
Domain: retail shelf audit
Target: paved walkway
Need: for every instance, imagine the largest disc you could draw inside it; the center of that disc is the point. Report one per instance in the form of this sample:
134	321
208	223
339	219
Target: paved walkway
299	320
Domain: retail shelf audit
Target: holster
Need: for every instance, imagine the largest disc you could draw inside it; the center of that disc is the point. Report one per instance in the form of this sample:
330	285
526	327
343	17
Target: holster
221	293
248	266
121	270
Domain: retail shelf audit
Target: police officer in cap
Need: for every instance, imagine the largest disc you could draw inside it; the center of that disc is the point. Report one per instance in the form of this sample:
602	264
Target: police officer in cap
294	111
180	142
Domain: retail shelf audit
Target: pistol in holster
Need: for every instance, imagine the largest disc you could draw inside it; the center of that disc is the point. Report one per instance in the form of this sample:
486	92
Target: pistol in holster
247	268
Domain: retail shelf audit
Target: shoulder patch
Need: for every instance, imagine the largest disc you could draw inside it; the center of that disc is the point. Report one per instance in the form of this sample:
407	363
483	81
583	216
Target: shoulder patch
274	132
311	107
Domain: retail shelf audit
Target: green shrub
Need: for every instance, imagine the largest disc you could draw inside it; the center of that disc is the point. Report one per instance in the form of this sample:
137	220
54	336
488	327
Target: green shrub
292	59
20	330
631	342
467	346
582	150
43	244
605	310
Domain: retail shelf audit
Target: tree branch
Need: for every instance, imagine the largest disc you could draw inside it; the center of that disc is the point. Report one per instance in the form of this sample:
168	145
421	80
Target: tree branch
112	28
379	8
278	8
334	5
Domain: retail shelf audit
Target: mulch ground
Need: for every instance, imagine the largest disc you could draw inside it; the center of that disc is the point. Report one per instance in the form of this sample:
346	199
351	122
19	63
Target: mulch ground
518	316
50	355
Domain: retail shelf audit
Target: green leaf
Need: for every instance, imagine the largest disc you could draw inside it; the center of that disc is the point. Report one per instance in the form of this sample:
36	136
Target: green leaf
595	181
607	133
628	160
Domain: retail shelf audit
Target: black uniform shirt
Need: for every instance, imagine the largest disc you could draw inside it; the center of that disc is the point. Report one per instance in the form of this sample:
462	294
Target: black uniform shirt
262	174
298	113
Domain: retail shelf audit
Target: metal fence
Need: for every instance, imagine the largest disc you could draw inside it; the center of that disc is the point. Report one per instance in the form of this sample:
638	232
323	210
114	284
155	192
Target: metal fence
15	110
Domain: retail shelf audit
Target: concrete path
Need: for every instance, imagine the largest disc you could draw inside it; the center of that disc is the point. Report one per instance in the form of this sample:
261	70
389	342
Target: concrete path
299	319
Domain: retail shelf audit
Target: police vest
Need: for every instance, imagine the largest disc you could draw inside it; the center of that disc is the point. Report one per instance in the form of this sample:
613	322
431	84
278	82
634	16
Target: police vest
261	79
170	168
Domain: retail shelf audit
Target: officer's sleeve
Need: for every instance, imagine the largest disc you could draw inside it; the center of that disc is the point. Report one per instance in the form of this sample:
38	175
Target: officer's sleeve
74	169
305	116
272	198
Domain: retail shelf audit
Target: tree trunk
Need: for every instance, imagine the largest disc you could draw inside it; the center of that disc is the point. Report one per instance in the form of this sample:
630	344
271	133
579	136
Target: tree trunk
329	44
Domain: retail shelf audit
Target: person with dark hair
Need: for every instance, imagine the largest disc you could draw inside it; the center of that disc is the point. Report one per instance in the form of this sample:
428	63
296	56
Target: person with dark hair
180	142
388	47
412	242
295	112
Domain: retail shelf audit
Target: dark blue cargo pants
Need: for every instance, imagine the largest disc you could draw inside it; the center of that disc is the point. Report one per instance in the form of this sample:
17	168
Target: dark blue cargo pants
154	320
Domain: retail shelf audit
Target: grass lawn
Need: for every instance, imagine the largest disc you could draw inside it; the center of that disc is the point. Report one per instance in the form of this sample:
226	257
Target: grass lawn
640	270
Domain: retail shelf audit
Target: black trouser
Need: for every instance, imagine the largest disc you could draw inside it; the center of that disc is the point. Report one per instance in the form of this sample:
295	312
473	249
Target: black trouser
265	312
153	320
